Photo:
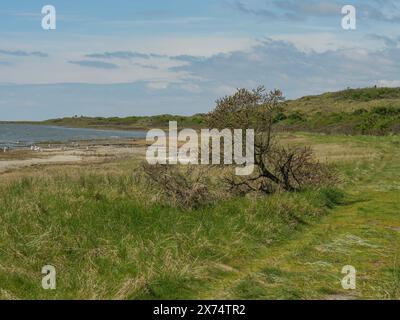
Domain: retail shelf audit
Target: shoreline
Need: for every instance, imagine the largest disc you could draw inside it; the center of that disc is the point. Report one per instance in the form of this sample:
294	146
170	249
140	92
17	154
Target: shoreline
74	126
63	136
72	152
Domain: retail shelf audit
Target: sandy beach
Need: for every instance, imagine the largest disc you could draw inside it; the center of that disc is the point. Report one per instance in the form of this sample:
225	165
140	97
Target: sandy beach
71	153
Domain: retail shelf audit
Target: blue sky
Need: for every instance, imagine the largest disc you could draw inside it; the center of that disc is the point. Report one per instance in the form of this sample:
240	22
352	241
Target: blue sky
131	57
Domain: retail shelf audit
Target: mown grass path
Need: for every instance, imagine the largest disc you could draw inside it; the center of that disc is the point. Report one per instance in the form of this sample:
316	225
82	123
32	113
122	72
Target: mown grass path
363	232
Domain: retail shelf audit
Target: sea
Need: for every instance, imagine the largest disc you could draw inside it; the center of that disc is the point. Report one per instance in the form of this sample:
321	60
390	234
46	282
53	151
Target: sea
25	135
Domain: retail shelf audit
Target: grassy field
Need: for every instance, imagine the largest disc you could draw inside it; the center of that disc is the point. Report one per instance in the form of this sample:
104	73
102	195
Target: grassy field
364	231
108	236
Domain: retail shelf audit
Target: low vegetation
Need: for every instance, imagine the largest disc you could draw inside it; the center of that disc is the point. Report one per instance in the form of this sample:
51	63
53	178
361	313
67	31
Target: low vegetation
377	121
347	101
110	235
186	187
128	123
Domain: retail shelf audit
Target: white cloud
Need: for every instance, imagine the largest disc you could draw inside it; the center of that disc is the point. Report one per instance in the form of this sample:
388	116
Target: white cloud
191	87
318	42
157	85
223	90
388	83
56	68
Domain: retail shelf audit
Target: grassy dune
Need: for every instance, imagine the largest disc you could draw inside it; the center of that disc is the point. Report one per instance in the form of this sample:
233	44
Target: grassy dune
101	227
347	101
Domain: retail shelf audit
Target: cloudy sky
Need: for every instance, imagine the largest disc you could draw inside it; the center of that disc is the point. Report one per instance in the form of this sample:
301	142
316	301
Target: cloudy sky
134	57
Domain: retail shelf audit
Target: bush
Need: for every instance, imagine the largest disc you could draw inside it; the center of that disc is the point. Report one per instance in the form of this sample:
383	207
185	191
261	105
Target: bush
296	117
290	169
359	112
186	187
385	111
280	117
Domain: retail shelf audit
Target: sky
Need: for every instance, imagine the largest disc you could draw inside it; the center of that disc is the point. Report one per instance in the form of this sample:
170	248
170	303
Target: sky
137	57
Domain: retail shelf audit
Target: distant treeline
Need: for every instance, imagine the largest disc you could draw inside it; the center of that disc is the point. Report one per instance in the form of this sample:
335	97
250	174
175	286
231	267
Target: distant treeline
129	123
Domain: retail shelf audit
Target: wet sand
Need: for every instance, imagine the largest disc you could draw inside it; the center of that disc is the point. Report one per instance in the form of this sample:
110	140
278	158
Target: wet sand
72	153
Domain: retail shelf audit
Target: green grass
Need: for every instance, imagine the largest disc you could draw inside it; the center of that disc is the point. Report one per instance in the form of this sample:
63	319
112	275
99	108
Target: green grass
380	120
364	232
109	237
346	101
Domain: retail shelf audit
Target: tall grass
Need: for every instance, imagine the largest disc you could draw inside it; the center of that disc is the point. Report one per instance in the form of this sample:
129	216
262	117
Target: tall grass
108	235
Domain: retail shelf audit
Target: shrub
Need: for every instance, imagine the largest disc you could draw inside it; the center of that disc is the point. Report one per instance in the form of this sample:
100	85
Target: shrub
385	111
279	117
276	167
359	112
187	186
289	169
296	117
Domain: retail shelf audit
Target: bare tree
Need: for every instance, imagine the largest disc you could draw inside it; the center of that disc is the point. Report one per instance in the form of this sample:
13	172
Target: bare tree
275	166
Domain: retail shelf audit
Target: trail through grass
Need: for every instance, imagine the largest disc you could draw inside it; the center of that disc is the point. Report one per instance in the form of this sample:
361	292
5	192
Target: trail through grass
363	232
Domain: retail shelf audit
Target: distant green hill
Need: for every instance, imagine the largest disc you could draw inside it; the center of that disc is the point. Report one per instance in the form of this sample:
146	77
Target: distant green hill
353	111
129	123
373	111
347	101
